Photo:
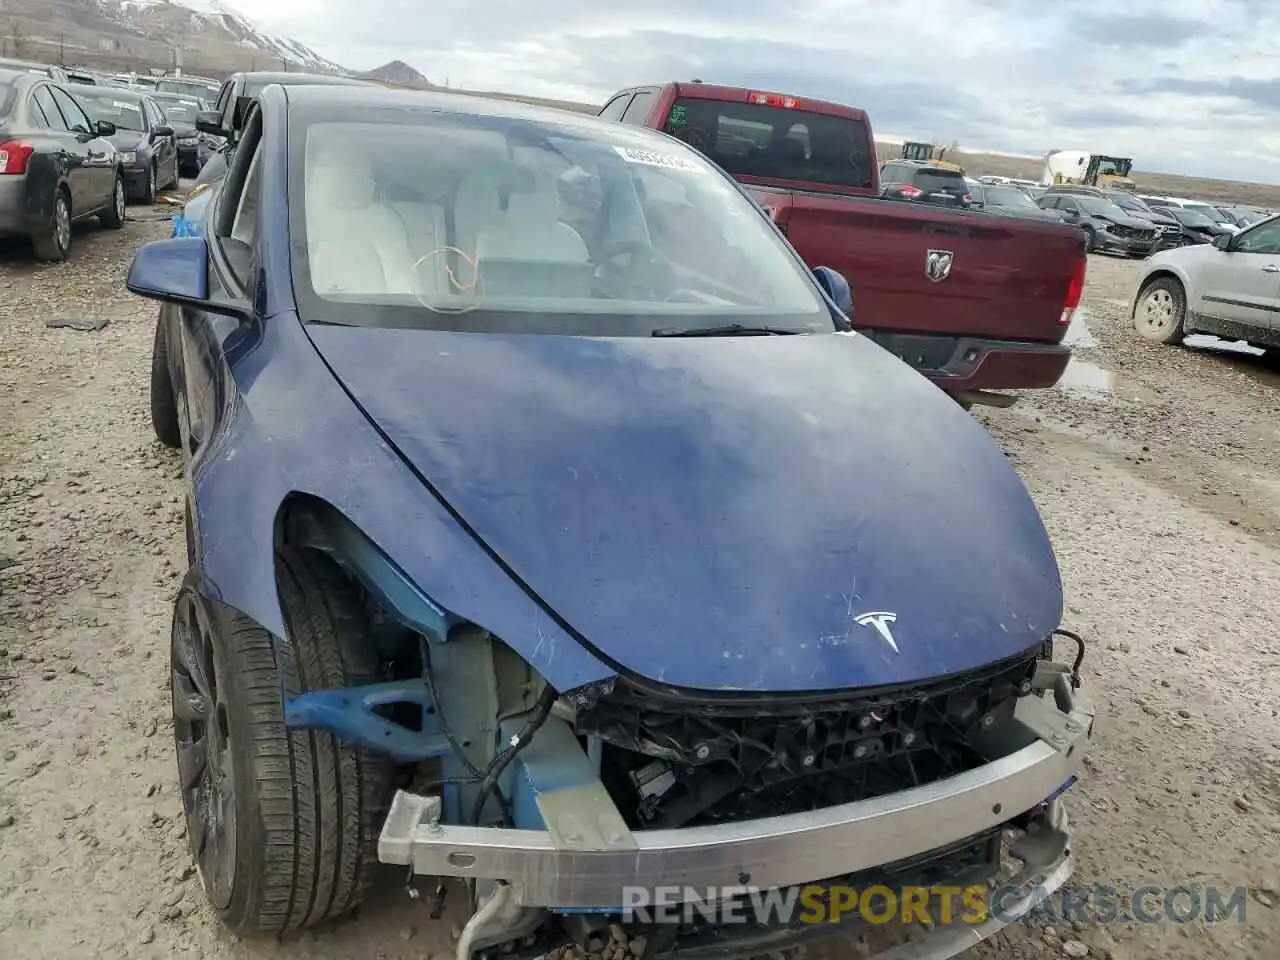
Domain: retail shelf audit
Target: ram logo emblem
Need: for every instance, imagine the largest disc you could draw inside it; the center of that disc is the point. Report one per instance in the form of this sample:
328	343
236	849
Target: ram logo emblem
937	264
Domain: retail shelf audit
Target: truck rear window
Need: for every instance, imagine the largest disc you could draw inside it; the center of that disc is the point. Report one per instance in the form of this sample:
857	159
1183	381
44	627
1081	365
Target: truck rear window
775	142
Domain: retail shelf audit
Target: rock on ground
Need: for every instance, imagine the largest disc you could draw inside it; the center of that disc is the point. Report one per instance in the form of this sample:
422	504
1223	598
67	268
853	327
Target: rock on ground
1155	468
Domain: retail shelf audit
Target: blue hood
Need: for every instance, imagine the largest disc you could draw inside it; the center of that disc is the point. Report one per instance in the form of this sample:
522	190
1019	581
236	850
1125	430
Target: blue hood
718	513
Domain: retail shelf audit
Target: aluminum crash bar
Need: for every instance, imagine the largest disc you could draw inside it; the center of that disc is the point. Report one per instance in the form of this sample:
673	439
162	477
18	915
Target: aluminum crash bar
587	856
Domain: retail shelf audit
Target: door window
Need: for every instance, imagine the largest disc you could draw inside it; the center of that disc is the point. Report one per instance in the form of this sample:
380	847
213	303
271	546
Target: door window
43	99
638	111
614	108
77	119
1264	238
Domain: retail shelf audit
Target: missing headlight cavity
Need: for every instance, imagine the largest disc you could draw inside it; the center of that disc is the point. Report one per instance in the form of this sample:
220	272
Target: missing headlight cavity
667	766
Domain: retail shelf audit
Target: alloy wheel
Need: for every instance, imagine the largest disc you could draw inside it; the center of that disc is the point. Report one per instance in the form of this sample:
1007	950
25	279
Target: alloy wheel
62	223
202	738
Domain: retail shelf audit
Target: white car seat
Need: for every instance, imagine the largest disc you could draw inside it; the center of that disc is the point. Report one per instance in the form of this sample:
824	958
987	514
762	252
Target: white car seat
530	228
355	245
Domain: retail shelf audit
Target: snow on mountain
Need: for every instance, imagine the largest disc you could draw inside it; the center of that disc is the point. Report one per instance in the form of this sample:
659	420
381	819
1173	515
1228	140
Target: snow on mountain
218	19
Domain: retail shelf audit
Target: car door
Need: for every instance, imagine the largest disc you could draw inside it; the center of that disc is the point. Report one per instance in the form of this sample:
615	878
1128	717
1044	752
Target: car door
206	338
1241	284
95	170
165	145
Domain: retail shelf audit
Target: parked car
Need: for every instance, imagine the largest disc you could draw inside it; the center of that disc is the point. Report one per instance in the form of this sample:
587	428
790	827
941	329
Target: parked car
47	70
1171	231
364	564
1008	201
238	93
928	287
57	166
919	181
1229	288
147	144
1197	227
1106	227
180	113
1222	219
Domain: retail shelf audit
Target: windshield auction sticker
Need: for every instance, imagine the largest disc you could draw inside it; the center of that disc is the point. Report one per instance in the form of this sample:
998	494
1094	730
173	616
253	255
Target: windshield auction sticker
653	159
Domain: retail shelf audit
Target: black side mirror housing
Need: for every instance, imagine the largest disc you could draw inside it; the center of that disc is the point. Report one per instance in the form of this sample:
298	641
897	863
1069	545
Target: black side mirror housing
210	122
104	128
162	131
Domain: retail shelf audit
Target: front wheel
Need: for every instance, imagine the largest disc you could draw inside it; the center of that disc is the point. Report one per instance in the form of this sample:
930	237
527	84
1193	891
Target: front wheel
1090	240
283	823
149	191
113	217
1160	311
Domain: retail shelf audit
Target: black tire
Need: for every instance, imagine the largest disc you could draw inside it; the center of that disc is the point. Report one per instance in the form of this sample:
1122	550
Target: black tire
53	243
164	400
1090	240
113	217
299	843
1160	311
149	187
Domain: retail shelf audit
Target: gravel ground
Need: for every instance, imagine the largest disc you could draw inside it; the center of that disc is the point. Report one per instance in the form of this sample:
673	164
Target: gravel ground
1155	469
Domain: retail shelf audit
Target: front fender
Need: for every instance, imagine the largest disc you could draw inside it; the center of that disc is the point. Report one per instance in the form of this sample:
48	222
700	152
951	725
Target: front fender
289	428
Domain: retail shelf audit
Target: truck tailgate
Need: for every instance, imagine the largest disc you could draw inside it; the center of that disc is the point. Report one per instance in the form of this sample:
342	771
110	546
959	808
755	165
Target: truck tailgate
1008	278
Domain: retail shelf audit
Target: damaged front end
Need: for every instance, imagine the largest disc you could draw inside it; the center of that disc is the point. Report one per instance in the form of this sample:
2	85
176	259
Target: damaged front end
565	811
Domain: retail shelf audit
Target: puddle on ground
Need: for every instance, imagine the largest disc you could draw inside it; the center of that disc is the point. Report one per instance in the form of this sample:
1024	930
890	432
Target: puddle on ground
1078	335
1203	341
1088	381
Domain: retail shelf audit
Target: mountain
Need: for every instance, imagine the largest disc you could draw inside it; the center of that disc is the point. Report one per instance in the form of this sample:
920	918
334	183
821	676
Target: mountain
207	36
400	74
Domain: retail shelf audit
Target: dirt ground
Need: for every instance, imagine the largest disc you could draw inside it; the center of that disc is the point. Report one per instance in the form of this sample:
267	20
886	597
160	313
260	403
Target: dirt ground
1155	469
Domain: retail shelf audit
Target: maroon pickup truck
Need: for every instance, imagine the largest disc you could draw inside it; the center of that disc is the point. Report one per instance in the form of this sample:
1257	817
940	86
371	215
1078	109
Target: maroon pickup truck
975	302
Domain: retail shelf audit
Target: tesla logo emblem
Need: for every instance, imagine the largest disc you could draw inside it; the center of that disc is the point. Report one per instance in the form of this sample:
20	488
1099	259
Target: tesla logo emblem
879	621
937	264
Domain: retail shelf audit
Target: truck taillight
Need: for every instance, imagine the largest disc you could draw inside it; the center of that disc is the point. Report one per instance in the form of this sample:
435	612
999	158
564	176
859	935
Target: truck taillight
14	155
1075	291
773	100
774	214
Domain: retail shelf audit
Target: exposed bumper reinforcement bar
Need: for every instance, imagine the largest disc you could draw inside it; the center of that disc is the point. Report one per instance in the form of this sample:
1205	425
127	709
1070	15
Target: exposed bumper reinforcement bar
588	865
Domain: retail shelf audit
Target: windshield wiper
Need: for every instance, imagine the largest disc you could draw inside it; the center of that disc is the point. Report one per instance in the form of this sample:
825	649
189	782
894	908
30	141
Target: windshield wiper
727	330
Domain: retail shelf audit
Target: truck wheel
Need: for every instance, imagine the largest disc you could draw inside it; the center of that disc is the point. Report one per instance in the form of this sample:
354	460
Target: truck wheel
283	824
1160	311
164	403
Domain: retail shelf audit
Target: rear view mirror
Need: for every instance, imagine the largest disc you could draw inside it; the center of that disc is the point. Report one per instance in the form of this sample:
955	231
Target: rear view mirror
162	131
1223	242
836	287
104	128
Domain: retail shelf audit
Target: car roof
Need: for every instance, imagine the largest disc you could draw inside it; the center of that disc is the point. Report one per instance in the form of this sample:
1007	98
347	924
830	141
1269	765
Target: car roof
118	92
292	79
374	95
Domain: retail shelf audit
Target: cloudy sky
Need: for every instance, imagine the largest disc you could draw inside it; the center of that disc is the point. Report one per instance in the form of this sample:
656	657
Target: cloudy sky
1185	86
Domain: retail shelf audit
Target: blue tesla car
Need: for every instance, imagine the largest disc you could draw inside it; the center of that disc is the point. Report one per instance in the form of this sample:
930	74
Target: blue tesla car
549	528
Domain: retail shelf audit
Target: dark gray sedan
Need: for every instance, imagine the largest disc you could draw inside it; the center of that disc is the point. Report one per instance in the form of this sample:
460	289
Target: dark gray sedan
180	112
56	165
148	148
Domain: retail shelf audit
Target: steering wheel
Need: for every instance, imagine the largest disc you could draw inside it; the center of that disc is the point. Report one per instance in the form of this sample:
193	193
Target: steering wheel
628	267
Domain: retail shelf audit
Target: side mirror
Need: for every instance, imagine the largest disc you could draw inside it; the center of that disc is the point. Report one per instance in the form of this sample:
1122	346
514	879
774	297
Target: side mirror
177	271
104	128
210	122
162	131
836	287
1223	242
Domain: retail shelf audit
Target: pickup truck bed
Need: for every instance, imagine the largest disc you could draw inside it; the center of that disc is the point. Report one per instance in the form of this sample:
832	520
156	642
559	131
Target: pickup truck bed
973	301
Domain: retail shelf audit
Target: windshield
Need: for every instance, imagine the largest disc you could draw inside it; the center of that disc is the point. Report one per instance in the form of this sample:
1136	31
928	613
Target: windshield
777	143
187	86
1190	218
1098	207
463	222
124	113
1007	197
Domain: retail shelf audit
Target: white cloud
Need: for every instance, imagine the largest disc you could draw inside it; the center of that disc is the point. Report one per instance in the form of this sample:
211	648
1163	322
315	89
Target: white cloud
1164	81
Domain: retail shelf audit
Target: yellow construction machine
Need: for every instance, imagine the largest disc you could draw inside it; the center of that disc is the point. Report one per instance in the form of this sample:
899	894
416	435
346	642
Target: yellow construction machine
928	153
